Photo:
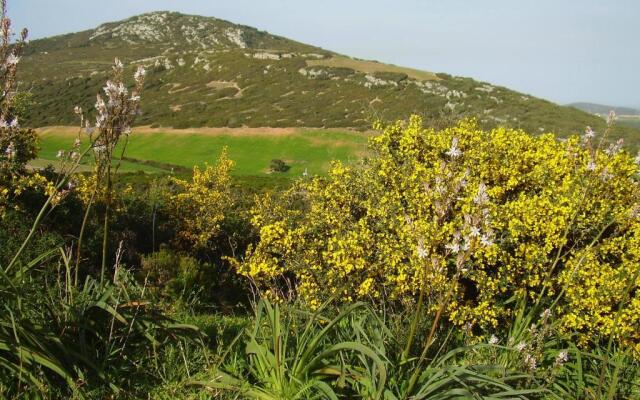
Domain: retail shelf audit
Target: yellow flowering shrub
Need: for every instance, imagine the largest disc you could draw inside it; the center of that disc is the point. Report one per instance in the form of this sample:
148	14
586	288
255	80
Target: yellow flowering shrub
598	281
17	147
480	215
87	190
198	206
17	184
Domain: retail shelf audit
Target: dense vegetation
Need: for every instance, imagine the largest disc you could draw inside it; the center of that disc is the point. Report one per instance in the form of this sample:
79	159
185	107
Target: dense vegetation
448	263
477	217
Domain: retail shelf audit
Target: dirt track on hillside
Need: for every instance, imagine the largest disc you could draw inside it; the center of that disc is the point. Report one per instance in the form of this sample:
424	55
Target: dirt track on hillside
267	131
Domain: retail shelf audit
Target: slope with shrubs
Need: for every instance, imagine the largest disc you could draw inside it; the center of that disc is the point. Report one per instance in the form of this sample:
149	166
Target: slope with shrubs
208	72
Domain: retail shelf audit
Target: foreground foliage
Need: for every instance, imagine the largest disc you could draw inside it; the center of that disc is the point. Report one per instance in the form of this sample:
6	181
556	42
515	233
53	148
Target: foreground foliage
296	354
291	352
468	217
396	272
94	339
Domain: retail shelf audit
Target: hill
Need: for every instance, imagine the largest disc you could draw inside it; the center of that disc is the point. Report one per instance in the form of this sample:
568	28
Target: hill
602	109
206	72
628	117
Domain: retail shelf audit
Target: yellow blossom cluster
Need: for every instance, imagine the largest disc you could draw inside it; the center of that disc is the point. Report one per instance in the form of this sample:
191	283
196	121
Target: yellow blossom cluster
87	189
471	215
602	285
17	147
198	206
17	184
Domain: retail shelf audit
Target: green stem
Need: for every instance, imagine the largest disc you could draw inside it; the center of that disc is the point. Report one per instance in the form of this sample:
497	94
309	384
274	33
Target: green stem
107	212
414	326
105	233
414	377
34	227
81	235
153	229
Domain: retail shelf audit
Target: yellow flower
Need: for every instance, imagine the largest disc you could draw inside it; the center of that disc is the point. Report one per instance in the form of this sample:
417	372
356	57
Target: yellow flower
484	214
199	206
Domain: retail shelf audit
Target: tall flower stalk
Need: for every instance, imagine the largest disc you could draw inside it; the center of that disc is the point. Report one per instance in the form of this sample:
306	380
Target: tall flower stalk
114	119
116	112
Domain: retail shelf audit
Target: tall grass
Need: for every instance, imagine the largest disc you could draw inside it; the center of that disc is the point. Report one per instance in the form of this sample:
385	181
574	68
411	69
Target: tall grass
298	354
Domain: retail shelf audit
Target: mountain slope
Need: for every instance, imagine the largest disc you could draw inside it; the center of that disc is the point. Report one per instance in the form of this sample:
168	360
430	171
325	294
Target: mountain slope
602	109
209	72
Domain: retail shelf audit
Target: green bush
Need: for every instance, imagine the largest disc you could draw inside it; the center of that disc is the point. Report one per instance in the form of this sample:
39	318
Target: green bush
14	227
279	166
176	276
391	76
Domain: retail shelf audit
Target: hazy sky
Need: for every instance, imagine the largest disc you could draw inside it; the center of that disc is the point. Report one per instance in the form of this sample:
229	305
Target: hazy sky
562	50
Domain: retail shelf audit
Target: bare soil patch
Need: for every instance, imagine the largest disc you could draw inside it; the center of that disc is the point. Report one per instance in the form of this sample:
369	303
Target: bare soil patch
243	131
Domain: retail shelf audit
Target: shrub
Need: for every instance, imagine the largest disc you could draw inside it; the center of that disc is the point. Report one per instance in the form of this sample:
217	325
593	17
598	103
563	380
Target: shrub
176	276
14	227
198	207
160	267
278	166
341	72
391	76
475	216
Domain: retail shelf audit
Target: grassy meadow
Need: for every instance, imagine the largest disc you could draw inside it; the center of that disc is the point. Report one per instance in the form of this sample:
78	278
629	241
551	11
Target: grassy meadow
251	148
371	67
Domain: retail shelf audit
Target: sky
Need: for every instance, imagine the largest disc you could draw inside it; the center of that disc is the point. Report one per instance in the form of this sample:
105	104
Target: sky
561	50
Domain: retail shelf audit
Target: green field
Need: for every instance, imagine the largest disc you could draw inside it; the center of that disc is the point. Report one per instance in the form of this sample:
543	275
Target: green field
252	149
